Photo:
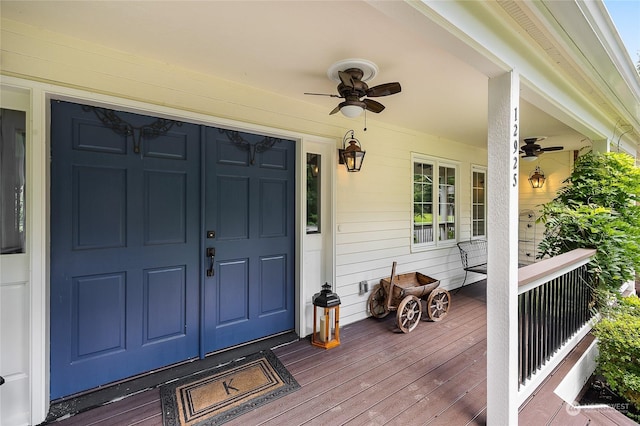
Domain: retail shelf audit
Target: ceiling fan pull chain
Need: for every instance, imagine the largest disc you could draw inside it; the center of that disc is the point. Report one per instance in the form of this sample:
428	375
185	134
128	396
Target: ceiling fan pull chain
365	121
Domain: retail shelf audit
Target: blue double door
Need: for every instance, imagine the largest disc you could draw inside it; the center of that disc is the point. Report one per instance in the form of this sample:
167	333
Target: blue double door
165	245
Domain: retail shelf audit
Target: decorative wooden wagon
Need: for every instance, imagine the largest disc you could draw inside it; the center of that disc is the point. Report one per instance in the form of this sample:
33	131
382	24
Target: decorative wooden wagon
405	293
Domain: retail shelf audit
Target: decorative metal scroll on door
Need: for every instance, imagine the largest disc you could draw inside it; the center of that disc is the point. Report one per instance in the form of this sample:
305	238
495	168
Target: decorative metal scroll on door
236	138
110	119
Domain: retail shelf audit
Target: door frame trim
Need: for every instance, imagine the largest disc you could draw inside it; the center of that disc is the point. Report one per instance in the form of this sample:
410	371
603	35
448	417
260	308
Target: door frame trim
38	226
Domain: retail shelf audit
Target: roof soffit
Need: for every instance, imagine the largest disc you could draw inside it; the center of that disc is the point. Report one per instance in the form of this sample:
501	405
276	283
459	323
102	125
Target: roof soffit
515	34
588	51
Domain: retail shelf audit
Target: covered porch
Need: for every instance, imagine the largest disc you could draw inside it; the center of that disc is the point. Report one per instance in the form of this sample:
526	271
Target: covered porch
378	375
471	74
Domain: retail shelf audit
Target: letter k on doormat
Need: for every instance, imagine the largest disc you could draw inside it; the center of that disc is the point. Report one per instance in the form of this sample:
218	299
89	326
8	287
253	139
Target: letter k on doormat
218	395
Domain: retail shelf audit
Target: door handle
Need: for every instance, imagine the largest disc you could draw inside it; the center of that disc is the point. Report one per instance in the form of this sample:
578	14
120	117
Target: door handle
211	254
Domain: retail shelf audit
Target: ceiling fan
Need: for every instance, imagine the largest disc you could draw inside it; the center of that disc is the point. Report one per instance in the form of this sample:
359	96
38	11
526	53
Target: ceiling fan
352	75
531	149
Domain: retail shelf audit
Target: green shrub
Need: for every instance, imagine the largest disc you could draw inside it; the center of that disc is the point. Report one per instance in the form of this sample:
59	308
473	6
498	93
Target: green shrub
597	209
618	336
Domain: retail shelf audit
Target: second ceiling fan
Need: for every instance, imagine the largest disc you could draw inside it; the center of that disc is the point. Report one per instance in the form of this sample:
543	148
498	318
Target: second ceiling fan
531	149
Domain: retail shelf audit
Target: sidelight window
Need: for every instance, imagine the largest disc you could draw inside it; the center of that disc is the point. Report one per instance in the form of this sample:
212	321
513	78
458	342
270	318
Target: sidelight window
12	181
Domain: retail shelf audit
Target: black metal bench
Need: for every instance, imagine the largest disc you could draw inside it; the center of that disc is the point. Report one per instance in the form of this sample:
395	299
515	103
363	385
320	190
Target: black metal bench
473	254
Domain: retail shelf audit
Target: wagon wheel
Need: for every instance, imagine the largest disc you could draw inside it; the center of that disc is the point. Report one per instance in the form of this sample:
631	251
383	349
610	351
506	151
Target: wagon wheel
377	302
409	313
438	304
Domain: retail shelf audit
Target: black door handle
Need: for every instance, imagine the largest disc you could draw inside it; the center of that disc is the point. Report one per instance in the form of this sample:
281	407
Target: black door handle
211	254
1	380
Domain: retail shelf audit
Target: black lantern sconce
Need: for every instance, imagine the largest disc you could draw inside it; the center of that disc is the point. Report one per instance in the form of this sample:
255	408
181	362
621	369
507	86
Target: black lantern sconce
536	178
326	318
313	161
353	155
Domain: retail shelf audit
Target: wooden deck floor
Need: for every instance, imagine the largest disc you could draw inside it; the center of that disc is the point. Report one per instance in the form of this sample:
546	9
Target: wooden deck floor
434	375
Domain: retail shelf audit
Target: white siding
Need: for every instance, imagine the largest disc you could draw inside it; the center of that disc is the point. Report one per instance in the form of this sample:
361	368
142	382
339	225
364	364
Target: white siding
374	217
557	166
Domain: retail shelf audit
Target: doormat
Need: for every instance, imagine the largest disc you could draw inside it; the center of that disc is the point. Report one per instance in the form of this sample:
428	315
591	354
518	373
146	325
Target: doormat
218	395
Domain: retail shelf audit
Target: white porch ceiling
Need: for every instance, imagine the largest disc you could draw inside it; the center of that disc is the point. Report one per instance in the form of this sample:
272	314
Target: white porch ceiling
286	47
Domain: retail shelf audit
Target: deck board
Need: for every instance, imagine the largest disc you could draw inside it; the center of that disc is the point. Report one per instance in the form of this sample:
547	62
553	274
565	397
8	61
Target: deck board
435	375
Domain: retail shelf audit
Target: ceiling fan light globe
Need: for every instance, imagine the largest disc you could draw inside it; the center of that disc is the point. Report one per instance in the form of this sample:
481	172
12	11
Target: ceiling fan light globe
351	111
529	158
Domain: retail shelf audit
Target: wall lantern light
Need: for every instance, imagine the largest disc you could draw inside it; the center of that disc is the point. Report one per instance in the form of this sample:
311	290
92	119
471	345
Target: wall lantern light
353	155
312	164
326	318
536	178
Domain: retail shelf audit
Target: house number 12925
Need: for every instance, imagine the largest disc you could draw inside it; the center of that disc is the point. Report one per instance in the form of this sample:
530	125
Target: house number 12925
515	147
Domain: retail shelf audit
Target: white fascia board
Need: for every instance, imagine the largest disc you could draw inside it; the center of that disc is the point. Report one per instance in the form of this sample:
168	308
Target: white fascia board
487	30
600	55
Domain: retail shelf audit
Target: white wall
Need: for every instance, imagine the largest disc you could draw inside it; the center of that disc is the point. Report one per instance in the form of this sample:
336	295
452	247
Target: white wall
557	167
374	216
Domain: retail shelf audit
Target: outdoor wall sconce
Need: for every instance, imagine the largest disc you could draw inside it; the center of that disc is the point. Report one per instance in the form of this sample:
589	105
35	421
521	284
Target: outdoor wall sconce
312	163
536	178
353	155
326	318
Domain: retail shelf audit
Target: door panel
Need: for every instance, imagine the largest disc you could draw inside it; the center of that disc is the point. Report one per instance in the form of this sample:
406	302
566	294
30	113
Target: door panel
98	314
250	206
99	210
125	249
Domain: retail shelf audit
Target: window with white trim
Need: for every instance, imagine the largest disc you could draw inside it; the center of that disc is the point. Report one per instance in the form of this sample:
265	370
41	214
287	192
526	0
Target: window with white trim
478	202
434	213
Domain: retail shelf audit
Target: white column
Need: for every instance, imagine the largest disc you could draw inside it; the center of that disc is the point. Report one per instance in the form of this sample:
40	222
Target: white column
502	276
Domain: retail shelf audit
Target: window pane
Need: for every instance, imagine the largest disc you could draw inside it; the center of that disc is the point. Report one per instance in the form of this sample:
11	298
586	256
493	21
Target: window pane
12	181
313	193
422	203
434	207
479	204
447	202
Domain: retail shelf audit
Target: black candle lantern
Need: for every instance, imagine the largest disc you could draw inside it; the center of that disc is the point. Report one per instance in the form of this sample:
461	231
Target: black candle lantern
351	156
326	318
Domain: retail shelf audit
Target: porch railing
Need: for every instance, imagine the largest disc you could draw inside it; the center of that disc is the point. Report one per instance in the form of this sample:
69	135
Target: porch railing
422	234
554	312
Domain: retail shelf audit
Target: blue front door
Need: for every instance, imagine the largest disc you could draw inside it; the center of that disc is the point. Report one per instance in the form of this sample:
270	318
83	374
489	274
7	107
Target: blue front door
129	287
250	216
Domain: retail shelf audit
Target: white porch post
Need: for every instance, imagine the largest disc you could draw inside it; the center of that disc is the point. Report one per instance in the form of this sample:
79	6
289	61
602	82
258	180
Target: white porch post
502	255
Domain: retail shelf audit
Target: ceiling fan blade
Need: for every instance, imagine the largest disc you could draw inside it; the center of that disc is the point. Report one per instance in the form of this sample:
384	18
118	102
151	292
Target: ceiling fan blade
534	139
532	147
322	94
373	106
553	148
346	78
336	109
384	90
